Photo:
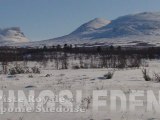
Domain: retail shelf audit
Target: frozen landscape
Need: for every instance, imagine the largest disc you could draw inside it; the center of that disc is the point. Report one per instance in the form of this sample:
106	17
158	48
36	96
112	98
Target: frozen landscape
87	80
141	29
105	69
128	80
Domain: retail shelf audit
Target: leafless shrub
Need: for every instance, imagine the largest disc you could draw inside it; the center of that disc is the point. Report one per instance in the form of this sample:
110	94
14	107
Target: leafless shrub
146	75
75	67
30	76
65	61
4	67
157	77
122	62
109	75
144	63
36	70
18	70
86	102
48	75
23	70
134	62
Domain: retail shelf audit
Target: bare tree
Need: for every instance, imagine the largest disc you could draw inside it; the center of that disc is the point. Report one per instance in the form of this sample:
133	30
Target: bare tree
65	61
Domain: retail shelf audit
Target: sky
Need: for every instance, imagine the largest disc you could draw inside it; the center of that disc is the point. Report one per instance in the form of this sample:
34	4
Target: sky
45	19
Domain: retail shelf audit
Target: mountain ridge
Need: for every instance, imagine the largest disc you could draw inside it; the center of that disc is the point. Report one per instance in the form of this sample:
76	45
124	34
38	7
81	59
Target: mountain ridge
129	30
133	27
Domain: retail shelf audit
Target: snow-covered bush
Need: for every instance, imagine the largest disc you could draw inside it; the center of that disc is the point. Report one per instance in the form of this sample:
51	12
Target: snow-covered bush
18	70
23	70
36	70
13	71
30	76
76	67
157	77
147	77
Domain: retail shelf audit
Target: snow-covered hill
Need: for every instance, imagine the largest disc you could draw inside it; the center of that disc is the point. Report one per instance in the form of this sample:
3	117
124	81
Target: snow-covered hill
137	24
141	29
91	26
12	35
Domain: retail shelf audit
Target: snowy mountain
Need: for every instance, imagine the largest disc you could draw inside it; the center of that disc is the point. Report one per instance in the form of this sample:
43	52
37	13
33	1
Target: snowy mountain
77	35
142	29
134	29
91	26
12	35
137	24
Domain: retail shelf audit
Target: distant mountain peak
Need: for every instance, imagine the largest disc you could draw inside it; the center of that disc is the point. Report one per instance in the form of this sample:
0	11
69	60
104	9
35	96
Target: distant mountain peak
98	23
12	35
91	25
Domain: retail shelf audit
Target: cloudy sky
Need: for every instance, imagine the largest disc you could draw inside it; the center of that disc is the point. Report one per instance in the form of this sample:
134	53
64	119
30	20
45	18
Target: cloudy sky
44	19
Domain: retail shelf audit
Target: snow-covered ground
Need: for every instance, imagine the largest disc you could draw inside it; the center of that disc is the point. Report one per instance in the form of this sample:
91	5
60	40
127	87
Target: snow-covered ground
86	80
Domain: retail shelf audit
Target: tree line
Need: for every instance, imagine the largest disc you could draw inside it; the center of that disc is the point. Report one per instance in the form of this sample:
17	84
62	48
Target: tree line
98	57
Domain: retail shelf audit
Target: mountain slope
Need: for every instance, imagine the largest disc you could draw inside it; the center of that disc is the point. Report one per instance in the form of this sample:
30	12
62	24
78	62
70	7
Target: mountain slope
12	35
141	29
135	28
91	26
137	24
77	35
